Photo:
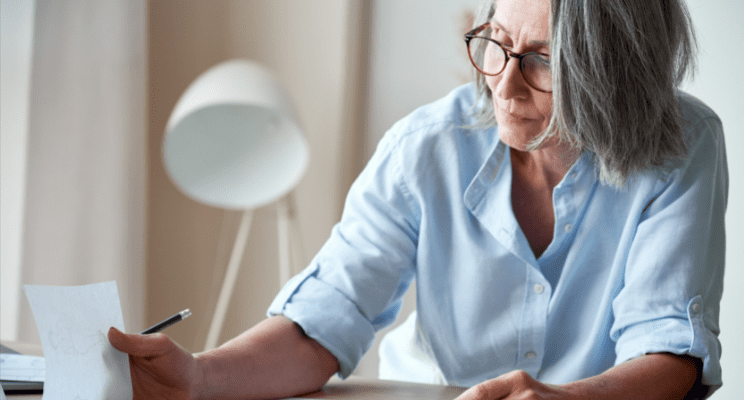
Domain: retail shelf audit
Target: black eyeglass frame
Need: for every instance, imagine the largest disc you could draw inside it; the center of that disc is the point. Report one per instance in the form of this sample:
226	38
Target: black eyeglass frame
507	53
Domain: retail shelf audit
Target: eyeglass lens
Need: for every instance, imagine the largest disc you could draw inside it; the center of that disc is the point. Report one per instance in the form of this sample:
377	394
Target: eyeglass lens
491	59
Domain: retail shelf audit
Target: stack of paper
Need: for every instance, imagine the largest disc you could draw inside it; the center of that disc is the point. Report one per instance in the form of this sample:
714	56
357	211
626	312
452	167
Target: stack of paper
17	367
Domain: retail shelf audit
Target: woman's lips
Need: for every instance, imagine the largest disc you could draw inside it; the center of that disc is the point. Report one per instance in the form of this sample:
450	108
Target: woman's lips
515	117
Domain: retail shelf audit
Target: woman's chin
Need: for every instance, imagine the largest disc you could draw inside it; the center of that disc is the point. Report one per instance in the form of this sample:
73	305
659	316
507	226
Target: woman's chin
516	138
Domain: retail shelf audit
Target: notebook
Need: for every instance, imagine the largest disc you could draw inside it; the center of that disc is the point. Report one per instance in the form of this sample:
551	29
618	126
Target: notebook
19	387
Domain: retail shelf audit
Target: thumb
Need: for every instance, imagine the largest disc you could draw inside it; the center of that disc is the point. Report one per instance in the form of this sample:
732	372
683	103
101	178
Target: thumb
138	345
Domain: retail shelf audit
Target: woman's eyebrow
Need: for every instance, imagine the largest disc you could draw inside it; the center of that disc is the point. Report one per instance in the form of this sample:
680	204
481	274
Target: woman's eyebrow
541	43
538	43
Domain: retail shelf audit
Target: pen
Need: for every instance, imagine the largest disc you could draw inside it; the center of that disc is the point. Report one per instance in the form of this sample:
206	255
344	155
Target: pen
168	322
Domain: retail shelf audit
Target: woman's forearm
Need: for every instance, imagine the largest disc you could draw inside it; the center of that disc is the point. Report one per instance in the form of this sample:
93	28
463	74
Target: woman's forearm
273	359
653	376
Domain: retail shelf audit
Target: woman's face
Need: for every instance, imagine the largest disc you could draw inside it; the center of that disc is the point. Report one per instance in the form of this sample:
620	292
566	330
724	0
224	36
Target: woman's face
521	111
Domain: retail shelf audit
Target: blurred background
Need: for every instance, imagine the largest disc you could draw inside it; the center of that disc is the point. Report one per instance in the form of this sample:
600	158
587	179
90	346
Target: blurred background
87	89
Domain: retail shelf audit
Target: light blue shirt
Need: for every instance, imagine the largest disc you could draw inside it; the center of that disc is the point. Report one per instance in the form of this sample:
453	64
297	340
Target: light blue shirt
629	272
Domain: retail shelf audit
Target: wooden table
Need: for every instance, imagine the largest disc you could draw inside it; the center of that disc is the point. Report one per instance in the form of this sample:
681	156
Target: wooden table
353	388
370	389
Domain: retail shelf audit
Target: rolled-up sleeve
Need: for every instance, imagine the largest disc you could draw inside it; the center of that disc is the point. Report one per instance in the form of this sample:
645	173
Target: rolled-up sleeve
354	285
673	281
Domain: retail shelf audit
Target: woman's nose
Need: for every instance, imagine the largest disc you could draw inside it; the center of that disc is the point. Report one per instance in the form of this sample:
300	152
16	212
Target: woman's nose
511	81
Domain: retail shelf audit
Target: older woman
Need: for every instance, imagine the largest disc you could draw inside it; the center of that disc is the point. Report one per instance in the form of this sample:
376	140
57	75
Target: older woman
562	218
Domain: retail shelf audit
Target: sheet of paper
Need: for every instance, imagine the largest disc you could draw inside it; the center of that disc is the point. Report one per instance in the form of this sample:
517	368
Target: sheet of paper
73	323
18	367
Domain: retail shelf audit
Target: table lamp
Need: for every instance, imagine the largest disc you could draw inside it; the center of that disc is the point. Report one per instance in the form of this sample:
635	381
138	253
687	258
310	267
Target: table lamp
233	141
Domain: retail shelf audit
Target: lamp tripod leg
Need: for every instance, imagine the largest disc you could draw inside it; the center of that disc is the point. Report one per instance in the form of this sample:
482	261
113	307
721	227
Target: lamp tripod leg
283	216
298	248
290	242
231	276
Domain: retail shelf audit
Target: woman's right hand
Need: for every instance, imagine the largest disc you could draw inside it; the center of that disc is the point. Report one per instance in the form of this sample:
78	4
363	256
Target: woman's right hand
160	369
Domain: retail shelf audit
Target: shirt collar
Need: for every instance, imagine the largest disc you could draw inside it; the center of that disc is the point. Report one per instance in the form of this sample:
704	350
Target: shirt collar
488	197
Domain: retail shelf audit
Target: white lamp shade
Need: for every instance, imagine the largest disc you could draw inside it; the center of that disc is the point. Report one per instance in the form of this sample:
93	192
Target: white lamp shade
233	140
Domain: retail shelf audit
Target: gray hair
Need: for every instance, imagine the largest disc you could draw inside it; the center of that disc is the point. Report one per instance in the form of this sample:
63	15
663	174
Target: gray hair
616	65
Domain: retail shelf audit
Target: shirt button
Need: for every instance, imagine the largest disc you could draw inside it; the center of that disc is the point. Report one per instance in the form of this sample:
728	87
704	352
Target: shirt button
568	227
540	288
696	307
574	175
530	355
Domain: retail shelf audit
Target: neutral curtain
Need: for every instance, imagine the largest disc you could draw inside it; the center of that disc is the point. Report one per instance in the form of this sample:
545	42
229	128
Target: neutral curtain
86	174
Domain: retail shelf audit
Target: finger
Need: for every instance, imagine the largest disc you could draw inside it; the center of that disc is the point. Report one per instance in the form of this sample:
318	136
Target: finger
489	390
497	388
517	382
139	345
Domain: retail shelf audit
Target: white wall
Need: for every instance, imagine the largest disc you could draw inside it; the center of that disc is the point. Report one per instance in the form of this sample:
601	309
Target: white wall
417	55
720	83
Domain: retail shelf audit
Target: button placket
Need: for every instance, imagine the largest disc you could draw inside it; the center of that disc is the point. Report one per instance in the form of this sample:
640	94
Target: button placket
532	339
564	211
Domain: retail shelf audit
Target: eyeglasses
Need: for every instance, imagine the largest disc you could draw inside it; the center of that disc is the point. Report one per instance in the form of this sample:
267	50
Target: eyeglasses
489	57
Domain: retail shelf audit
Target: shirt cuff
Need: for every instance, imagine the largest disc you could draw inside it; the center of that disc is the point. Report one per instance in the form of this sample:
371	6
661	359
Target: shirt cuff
327	316
677	336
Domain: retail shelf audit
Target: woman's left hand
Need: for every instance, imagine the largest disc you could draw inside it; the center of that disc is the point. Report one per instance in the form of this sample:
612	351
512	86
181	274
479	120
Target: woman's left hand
513	385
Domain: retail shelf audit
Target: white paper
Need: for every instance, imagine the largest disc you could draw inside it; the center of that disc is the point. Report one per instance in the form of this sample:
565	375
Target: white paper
73	324
19	367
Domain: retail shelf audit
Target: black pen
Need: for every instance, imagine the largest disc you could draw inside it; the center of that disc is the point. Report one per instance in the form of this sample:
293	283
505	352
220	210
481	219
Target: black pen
168	322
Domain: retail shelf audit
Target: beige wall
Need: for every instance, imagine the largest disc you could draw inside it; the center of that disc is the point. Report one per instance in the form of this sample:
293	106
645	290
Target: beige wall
306	44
